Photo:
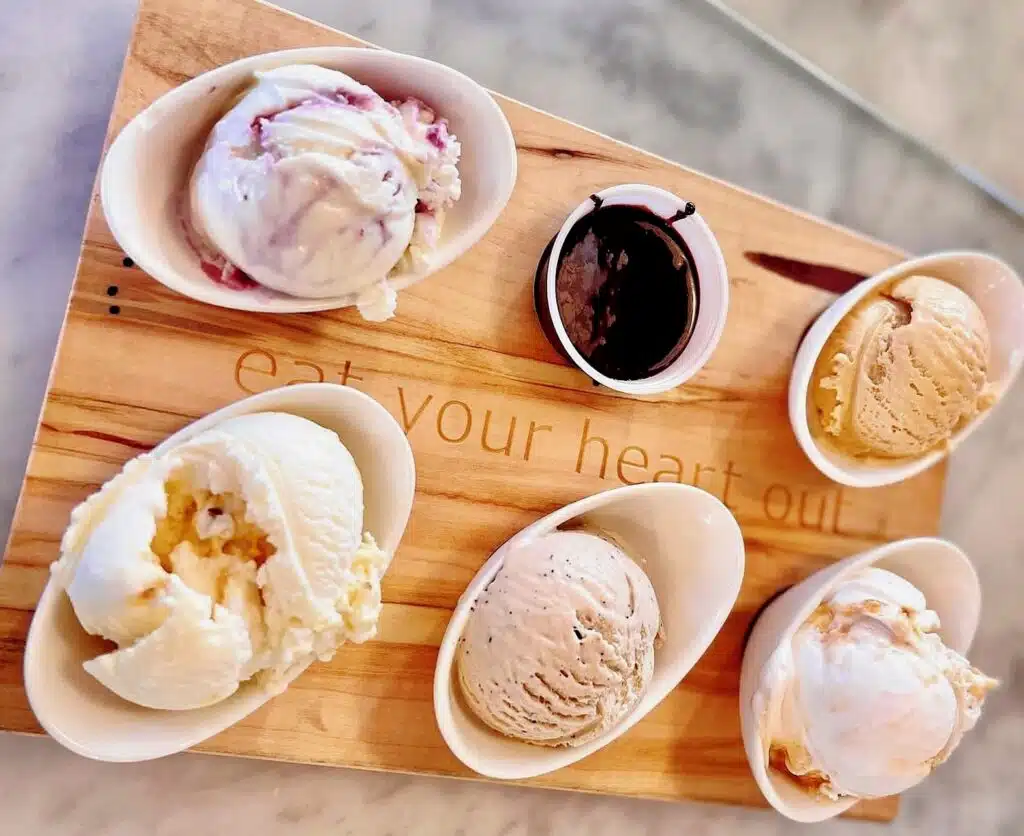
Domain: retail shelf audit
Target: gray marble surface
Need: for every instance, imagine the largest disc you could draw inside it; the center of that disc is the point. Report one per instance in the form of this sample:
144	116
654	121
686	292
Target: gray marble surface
665	74
958	64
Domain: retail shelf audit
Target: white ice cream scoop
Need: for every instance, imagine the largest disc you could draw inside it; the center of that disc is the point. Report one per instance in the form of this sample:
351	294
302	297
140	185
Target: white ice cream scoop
238	553
866	700
170	642
852	687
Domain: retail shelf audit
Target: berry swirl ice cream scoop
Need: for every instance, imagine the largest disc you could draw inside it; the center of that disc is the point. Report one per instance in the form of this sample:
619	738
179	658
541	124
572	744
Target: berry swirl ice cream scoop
315	186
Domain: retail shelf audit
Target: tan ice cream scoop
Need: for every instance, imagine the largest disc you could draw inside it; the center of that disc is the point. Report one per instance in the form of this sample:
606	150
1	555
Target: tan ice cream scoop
904	370
560	645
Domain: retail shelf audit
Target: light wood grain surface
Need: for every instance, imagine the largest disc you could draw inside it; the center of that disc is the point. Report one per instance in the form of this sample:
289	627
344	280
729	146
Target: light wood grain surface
503	431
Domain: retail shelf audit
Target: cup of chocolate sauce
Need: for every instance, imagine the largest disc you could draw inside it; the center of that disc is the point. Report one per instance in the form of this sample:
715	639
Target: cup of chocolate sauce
633	290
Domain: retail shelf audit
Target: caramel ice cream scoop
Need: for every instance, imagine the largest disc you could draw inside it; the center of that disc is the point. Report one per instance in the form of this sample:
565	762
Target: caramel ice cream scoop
903	371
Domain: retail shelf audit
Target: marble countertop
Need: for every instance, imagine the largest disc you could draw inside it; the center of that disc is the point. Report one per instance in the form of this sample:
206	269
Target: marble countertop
59	63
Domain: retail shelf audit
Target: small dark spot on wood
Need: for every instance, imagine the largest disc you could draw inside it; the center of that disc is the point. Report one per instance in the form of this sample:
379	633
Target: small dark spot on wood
112	290
127	262
115	309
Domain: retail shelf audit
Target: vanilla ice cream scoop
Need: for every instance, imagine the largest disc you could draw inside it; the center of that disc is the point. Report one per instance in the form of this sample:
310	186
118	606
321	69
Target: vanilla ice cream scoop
560	645
315	186
904	370
237	555
866	700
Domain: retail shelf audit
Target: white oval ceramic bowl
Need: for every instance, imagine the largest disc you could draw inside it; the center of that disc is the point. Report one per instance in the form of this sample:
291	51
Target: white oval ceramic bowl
950	586
998	292
88	719
694	557
146	170
712	281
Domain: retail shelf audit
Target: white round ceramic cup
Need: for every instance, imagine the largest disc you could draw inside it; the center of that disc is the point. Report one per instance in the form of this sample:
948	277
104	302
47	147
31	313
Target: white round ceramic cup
146	171
694	555
712	283
936	567
998	292
82	715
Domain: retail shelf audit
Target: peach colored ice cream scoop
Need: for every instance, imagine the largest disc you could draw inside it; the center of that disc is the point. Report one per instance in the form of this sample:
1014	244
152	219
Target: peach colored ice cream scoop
560	645
903	371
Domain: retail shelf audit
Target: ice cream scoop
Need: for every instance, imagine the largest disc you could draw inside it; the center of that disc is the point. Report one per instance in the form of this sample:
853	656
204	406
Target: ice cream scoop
239	554
314	185
865	699
903	371
560	645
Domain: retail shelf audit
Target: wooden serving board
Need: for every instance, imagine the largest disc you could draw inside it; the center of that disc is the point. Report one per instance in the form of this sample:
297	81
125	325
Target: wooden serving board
503	431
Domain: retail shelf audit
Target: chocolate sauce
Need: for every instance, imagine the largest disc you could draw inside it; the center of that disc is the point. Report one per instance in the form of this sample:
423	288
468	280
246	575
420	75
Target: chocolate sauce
626	289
